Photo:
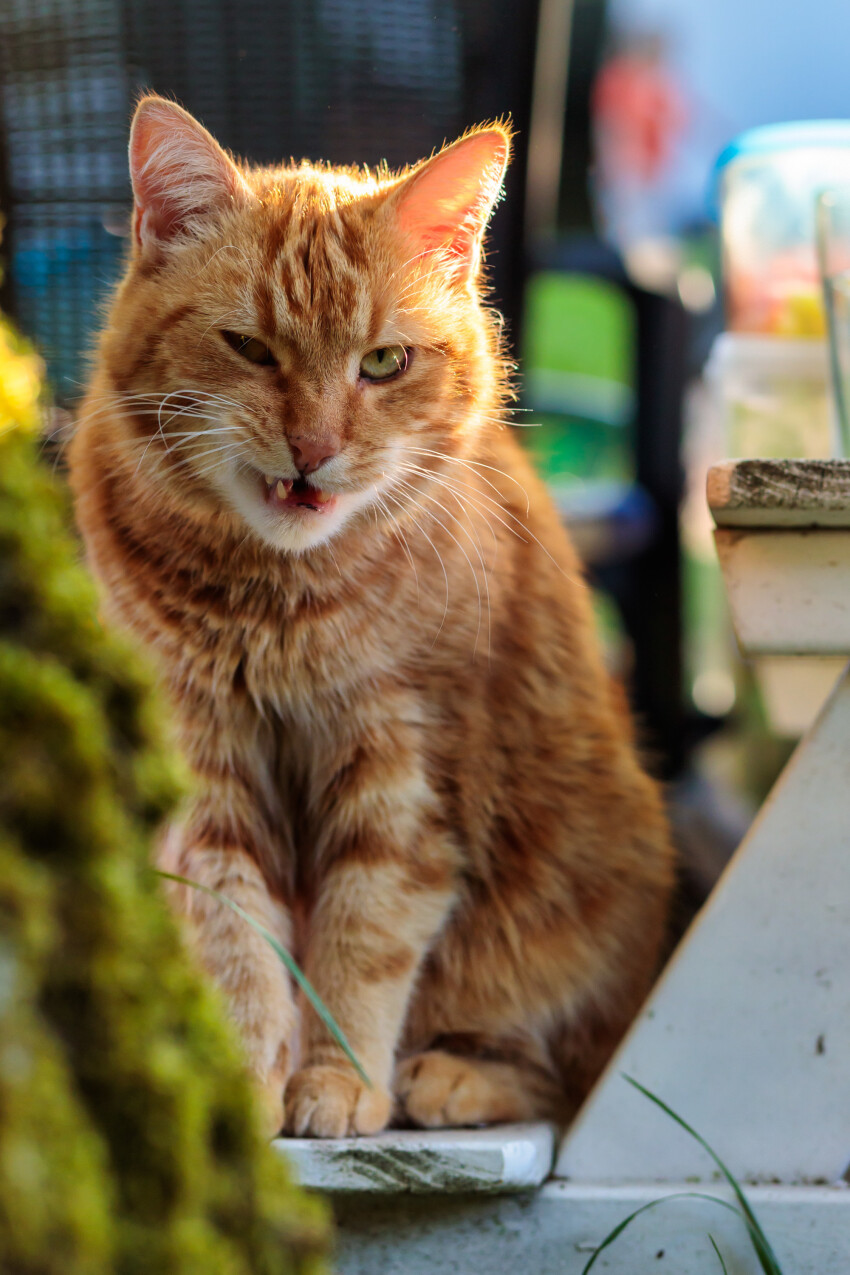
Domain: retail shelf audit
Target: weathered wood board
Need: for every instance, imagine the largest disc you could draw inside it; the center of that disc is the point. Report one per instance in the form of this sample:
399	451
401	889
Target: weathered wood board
780	493
513	1157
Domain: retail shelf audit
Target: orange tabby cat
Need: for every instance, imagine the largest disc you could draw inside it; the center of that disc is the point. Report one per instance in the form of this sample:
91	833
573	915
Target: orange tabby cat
409	763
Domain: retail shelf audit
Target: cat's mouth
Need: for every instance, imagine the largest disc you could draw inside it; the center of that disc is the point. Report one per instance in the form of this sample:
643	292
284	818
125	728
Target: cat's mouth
296	493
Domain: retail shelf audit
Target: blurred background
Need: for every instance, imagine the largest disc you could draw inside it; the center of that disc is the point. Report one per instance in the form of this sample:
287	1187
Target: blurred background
604	259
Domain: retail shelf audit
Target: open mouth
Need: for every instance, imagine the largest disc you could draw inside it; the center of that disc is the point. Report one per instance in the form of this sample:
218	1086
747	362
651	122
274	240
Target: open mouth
296	493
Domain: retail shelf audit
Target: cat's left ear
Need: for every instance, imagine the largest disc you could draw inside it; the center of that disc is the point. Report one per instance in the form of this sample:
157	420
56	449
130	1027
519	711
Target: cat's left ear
179	172
444	205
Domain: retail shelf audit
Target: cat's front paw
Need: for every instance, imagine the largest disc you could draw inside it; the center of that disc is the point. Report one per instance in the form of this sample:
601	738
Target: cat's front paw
435	1089
332	1102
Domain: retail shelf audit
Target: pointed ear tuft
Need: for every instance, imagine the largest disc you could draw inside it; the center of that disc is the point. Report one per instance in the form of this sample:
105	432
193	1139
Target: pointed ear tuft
179	172
446	202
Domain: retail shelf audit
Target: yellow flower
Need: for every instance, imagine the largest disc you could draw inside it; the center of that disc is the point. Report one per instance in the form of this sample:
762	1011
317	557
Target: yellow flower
21	379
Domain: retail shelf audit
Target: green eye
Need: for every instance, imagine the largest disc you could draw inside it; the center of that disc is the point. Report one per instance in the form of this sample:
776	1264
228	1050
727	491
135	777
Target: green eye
380	365
249	347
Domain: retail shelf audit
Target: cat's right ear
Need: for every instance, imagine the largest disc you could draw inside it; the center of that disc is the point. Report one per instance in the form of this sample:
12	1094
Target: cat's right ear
444	205
179	173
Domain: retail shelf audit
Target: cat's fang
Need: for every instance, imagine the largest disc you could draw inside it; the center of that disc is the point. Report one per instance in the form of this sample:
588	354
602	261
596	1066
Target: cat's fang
295	495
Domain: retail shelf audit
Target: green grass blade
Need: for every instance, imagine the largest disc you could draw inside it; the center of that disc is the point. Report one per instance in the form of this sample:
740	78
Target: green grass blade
287	959
719	1255
653	1204
764	1252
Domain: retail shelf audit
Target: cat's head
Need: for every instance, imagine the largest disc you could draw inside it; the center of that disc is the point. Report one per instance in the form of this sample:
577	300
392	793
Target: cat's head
303	341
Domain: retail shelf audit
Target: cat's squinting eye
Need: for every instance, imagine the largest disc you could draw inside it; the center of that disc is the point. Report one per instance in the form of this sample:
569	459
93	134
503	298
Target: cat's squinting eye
252	349
381	364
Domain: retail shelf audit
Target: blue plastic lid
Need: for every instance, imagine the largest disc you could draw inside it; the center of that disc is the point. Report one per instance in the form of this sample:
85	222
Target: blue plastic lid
783	137
773	138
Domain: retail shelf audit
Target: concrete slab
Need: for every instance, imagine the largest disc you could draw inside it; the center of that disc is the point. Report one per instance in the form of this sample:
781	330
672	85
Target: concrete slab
555	1230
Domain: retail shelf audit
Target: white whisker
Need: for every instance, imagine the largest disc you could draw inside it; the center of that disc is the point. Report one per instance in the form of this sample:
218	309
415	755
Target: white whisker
224	246
475	465
417	524
198	473
232	316
409	487
480	495
452	490
402	540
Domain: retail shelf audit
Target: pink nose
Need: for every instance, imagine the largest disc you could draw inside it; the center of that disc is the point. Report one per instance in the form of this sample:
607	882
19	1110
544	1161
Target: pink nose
310	453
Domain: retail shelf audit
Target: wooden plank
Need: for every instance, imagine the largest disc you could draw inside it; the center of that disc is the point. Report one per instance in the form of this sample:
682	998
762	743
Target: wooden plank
780	493
514	1157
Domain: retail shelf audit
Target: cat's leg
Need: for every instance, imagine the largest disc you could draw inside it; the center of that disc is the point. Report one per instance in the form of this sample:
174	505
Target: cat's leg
387	884
233	841
240	961
369	932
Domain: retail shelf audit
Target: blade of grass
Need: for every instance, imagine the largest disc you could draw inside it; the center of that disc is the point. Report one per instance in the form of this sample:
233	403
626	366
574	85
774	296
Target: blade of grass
719	1255
653	1204
767	1257
288	960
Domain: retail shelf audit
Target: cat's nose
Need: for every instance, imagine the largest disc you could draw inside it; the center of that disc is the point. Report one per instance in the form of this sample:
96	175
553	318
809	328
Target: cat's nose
310	453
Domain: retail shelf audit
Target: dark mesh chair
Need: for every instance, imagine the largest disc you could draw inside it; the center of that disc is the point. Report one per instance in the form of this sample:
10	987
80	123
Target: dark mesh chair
63	188
334	79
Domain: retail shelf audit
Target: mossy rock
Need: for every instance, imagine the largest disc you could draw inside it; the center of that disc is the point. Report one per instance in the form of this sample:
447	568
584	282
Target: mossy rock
129	1143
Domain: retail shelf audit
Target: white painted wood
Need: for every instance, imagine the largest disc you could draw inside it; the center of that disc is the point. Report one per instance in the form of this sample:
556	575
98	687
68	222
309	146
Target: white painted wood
747	1035
554	1231
503	1158
795	688
782	519
788	591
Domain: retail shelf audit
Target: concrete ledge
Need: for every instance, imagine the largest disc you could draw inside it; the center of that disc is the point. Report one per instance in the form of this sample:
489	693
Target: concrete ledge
555	1230
514	1157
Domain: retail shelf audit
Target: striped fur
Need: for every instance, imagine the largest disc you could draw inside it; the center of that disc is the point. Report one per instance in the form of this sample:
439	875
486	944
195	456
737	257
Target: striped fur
409	763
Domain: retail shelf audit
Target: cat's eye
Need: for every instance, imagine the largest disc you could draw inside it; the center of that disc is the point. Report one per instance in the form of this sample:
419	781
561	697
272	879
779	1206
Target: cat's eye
381	364
249	347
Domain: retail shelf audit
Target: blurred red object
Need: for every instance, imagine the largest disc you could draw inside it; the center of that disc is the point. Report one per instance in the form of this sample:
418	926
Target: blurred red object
639	113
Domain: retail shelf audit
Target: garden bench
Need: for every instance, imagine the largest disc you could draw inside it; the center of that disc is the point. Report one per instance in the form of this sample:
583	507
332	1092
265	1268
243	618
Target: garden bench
746	1034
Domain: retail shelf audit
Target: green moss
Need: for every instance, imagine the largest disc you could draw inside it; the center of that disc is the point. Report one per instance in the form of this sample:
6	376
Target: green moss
128	1138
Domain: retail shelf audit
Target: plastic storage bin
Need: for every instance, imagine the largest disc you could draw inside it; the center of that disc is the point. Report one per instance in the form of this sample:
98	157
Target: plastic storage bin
768	181
774	395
